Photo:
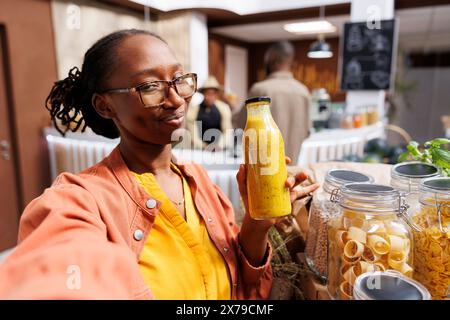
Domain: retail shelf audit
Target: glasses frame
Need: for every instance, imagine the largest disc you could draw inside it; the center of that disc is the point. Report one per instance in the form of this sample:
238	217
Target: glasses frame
168	85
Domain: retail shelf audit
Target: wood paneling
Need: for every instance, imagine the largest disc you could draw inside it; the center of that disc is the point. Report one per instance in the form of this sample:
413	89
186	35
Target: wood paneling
314	73
9	191
216	54
32	66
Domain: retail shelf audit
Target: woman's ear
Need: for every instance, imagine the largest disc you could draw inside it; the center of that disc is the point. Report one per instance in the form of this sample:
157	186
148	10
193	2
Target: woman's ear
103	106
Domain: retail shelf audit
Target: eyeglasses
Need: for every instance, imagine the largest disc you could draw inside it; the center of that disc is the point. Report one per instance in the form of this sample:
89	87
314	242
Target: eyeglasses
154	93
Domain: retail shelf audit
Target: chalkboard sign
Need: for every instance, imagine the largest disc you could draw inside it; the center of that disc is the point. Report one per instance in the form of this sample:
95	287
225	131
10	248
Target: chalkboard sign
367	56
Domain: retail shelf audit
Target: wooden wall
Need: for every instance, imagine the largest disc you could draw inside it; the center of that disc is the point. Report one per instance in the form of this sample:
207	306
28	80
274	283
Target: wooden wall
32	65
314	73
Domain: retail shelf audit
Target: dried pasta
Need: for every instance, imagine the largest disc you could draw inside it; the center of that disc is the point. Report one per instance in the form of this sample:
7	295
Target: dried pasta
432	251
365	247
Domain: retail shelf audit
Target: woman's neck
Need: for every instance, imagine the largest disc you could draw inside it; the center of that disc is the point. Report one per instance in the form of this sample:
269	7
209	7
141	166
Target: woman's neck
141	158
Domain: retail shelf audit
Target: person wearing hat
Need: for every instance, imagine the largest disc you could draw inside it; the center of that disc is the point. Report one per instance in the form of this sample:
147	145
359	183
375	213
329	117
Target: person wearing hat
210	121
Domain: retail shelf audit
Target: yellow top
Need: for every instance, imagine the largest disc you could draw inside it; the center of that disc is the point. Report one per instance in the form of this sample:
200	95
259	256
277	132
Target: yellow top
179	260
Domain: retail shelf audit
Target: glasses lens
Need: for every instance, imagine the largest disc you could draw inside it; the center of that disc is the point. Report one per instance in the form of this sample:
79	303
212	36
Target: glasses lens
186	86
152	94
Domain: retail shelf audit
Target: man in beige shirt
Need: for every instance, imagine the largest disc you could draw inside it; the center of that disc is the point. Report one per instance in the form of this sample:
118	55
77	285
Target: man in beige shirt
290	98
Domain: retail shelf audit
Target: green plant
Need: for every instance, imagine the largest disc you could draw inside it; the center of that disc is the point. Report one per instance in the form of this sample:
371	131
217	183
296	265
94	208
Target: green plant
434	151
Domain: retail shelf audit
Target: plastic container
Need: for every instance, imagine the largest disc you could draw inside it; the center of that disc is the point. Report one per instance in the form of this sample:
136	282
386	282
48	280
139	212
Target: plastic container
322	209
265	162
388	285
367	236
406	177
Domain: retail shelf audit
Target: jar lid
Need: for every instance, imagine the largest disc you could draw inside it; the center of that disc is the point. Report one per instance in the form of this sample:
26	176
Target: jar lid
368	189
432	191
437	184
336	178
388	285
258	99
376	198
414	170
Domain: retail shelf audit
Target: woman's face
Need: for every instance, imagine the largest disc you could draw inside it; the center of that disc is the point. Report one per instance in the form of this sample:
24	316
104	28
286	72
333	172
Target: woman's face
140	59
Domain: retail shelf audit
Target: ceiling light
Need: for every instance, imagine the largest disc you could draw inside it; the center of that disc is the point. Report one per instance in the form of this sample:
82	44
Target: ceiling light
320	49
320	26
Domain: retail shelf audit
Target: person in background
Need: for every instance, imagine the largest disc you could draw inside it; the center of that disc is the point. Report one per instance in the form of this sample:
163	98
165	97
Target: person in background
290	98
211	113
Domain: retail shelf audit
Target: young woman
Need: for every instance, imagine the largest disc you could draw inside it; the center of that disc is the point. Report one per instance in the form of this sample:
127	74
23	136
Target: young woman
139	224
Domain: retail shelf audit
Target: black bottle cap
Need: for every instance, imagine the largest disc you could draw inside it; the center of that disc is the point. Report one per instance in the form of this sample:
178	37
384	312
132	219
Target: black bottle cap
257	99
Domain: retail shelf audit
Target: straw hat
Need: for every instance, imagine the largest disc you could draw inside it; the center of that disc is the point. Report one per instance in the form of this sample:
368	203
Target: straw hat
210	83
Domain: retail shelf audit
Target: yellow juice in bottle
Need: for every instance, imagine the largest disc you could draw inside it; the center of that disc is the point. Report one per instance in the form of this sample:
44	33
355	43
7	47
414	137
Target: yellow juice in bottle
268	196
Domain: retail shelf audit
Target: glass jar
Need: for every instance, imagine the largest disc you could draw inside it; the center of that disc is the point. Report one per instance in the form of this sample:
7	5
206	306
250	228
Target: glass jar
322	209
431	229
406	177
372	115
367	236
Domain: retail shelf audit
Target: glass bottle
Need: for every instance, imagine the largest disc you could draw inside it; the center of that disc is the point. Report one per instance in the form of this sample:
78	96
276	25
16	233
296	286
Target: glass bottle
367	236
265	162
322	209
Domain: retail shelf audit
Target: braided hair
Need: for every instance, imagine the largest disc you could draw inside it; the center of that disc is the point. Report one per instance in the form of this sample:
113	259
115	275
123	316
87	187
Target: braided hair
70	99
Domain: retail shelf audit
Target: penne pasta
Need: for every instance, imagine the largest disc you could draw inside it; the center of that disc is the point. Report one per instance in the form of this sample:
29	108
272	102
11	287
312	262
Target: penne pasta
398	244
346	291
376	227
368	254
357	234
350	261
353	249
396	260
365	267
378	244
341	238
407	270
379	266
350	275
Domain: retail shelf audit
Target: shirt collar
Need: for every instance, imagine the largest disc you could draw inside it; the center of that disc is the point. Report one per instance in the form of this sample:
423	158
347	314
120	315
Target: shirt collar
281	75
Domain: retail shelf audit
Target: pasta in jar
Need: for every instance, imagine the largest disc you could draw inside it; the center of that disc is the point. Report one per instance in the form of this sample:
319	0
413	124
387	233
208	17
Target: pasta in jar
321	211
432	238
368	236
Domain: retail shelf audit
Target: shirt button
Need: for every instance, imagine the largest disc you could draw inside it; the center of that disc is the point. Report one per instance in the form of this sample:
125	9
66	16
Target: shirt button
151	203
209	220
225	249
138	235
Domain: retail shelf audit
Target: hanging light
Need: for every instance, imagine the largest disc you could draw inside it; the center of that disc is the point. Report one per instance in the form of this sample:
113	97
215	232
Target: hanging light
320	49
